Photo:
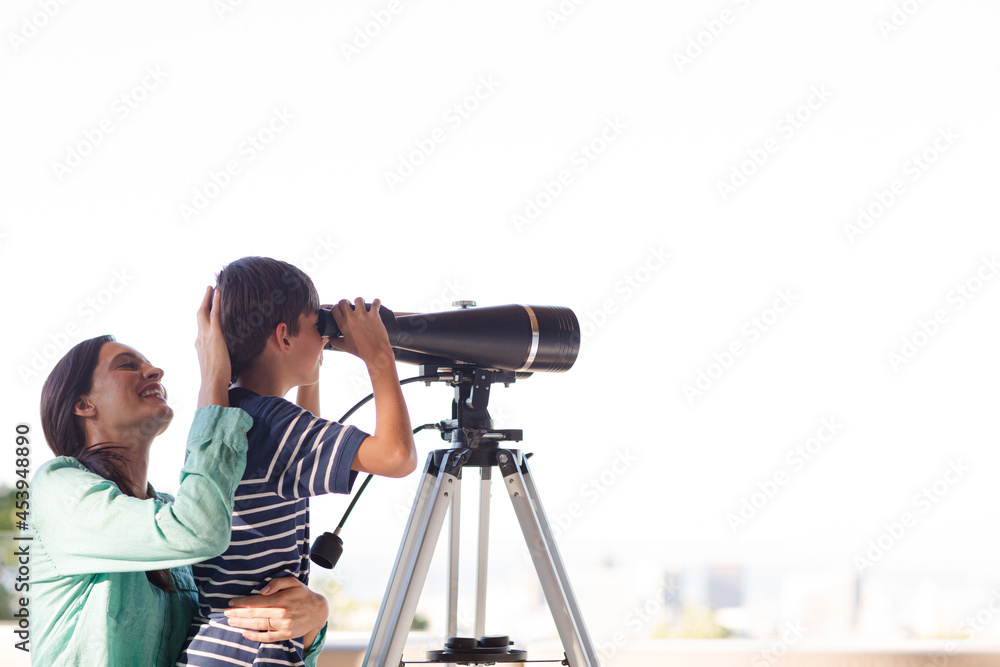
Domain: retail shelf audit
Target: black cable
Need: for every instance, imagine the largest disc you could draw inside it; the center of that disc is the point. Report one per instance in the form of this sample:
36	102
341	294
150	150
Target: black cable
370	475
351	506
370	396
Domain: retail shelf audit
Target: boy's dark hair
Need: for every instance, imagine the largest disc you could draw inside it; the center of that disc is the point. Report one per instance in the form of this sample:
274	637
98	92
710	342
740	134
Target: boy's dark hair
258	293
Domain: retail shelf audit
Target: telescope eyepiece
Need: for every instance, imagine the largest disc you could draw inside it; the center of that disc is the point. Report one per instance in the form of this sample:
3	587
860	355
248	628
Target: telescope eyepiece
327	325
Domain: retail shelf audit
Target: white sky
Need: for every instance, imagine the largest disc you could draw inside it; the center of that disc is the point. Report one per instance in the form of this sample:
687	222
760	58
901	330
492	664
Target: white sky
446	232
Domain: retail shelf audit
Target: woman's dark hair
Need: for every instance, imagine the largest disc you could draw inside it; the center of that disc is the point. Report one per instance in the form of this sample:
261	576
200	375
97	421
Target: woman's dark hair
71	378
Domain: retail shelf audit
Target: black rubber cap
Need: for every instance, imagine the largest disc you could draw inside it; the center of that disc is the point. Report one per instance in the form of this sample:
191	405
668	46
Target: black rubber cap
327	550
494	641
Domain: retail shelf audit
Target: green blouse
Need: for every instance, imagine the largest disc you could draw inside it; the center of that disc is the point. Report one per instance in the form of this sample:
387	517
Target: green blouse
89	599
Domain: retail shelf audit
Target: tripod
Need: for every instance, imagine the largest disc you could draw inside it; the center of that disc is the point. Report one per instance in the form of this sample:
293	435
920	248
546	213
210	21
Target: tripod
474	444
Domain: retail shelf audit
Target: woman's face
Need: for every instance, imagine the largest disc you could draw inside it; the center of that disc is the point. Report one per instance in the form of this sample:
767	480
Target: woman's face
126	395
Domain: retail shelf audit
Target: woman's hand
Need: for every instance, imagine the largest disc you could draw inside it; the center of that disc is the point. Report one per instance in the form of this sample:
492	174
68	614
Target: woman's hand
286	609
213	357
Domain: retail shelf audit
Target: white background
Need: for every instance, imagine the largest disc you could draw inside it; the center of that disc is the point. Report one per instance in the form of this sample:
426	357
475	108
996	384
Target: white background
317	195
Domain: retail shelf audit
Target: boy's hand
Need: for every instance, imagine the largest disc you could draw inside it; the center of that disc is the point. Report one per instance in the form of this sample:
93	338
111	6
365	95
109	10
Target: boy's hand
364	333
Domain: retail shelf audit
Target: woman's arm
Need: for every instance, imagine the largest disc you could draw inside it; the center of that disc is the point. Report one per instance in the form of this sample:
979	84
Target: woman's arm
88	525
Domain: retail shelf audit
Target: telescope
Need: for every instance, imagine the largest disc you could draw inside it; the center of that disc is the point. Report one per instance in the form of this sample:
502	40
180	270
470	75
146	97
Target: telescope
470	349
519	338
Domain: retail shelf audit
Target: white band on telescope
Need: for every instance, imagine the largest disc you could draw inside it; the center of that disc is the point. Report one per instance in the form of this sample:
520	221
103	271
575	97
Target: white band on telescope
534	338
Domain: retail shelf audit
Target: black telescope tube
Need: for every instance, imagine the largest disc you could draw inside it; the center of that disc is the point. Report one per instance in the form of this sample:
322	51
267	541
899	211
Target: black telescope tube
513	338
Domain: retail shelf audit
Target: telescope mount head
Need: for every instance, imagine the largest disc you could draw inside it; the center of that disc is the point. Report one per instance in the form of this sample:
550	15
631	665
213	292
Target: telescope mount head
470	424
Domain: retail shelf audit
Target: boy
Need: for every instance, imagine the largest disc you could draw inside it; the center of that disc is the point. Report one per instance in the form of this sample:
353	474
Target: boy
269	318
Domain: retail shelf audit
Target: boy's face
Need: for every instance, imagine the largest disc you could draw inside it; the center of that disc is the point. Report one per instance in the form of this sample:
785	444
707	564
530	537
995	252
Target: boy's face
307	350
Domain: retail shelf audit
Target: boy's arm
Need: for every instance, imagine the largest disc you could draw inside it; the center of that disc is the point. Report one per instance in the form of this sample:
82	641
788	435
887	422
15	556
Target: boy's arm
390	451
311	456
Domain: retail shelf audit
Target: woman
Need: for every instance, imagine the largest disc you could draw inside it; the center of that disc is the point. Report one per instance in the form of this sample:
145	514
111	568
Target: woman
111	579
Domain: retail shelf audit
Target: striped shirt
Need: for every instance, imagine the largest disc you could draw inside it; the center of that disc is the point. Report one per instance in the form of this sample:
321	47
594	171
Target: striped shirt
291	455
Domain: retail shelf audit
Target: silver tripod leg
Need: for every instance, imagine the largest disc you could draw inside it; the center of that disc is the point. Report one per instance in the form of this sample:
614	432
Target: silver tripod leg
410	570
453	553
548	564
574	609
484	549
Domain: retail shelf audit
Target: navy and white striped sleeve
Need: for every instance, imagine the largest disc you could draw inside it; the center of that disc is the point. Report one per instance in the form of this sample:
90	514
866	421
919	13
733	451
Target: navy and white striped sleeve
312	456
